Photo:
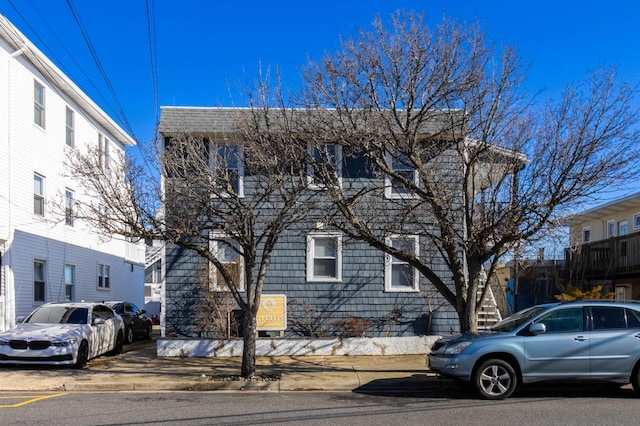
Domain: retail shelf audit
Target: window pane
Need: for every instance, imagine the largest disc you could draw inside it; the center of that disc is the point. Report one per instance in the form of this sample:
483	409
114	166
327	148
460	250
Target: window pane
324	268
38	271
325	247
607	318
70	129
402	275
633	318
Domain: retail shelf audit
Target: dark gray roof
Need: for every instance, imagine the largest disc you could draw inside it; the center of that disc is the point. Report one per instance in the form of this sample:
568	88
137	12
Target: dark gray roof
219	120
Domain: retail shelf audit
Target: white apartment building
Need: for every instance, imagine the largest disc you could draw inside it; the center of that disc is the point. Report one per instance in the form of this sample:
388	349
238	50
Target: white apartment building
45	253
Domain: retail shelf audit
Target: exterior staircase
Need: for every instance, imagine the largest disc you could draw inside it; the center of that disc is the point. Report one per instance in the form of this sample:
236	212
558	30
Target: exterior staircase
489	313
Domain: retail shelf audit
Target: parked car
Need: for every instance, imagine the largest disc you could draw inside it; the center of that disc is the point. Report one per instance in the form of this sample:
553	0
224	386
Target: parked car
63	334
595	341
136	322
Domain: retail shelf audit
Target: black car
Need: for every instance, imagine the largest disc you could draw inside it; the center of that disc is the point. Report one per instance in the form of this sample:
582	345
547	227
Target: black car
136	322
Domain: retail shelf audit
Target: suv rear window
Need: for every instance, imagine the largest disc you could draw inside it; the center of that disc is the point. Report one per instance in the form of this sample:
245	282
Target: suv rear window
608	318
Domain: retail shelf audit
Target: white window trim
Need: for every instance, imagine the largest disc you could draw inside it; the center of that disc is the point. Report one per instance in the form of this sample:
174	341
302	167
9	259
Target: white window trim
42	106
388	266
70	128
310	257
388	185
69	195
42	195
105	286
584	230
213	154
338	166
71	284
621	224
636	221
611	228
44	281
214	241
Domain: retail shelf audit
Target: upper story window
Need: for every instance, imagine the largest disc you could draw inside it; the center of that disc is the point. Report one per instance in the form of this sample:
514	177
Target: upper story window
324	257
326	165
623	227
68	207
70	128
395	186
636	221
38	104
38	195
103	151
228	169
586	235
611	228
398	274
228	252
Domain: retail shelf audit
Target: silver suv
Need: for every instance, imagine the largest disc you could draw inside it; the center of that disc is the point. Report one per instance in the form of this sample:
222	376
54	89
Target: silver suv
572	341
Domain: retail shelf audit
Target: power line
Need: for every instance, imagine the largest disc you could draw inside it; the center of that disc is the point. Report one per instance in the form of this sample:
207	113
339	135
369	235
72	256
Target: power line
151	32
96	59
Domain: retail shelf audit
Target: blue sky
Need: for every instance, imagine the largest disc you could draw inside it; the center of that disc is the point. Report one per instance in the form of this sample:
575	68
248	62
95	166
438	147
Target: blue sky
204	46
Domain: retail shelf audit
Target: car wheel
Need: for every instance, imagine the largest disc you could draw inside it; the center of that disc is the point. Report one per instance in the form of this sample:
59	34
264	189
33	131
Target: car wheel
147	334
83	355
635	378
495	379
117	349
129	335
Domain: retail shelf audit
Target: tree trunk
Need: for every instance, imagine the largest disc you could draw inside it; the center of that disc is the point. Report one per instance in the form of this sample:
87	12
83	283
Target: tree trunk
250	334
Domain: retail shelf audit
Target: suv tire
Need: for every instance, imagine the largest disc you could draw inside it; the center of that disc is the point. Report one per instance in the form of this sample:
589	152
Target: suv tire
495	379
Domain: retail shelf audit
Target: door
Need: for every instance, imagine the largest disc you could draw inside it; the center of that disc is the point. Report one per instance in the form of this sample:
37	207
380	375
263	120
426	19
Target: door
562	351
615	341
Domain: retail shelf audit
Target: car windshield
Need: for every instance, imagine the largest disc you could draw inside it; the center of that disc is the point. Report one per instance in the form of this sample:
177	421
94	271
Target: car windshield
59	315
519	318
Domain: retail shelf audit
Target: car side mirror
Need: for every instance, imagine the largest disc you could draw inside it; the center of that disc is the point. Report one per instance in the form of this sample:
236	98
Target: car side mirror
143	312
98	321
537	328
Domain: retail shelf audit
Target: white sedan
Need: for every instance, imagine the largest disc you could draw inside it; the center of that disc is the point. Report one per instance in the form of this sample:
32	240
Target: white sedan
69	333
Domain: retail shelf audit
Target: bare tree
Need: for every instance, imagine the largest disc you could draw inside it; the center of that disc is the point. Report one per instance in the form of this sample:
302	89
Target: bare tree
463	157
200	202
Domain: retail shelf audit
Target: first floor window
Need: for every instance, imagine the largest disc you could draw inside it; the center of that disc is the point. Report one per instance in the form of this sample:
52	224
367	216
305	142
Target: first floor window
69	282
398	274
39	280
103	276
229	253
324	257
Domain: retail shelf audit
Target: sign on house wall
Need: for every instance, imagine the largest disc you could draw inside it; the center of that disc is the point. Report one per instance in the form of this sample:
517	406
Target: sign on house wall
272	312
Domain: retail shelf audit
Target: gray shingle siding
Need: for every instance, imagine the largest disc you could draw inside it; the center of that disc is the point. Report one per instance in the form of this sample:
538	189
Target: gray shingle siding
360	294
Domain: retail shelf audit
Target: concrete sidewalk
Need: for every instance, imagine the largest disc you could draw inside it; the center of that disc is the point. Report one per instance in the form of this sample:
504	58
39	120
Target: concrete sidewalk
139	369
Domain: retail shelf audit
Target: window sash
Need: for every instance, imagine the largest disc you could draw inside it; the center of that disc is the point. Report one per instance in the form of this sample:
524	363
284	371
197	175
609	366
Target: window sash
232	261
68	207
69	281
70	131
399	274
324	258
38	195
38	281
103	276
38	104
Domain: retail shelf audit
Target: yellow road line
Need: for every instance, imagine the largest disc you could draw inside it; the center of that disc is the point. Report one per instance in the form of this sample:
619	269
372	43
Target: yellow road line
30	399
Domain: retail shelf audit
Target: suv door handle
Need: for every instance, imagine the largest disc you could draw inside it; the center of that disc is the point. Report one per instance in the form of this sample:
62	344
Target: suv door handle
580	338
637	336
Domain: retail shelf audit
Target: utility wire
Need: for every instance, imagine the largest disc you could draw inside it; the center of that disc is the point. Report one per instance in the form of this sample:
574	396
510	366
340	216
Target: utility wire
151	33
96	59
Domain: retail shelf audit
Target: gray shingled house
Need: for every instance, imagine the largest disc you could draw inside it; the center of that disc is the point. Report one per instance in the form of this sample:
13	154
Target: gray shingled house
327	278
